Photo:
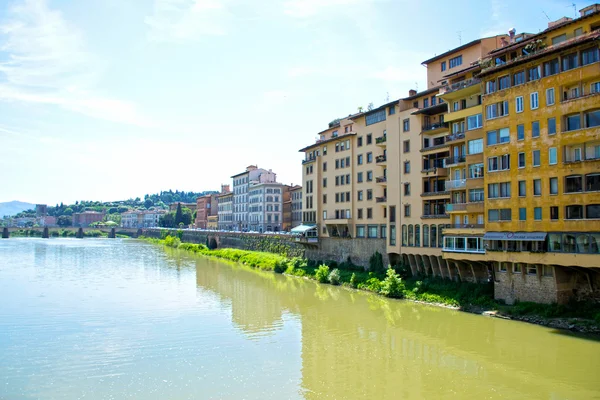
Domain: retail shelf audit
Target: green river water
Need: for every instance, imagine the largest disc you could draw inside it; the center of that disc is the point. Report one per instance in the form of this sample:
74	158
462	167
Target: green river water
124	319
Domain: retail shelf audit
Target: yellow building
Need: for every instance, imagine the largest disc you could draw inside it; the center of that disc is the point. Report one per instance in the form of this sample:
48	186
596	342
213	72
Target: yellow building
541	151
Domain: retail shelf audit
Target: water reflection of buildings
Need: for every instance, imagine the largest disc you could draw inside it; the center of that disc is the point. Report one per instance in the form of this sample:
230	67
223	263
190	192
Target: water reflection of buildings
359	346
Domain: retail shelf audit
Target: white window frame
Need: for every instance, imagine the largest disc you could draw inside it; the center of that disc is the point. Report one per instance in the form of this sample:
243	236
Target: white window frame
533	96
519	104
550	151
548	96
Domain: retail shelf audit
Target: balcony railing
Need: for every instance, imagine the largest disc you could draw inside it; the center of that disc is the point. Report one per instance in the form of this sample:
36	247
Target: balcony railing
435	146
380	199
455	136
434	216
438	125
455	160
428	165
380	159
310	159
456	184
460	85
380	139
381	179
465	226
435	193
456	207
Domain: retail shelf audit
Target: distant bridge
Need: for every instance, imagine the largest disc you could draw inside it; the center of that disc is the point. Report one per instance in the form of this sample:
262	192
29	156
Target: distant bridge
79	232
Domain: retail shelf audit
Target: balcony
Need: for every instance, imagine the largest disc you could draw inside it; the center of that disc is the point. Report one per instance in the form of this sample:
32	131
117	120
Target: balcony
456	184
435	146
465	226
435	193
475	207
434	216
381	179
456	207
453	87
381	140
381	159
455	137
582	153
380	199
308	160
571	95
455	160
430	128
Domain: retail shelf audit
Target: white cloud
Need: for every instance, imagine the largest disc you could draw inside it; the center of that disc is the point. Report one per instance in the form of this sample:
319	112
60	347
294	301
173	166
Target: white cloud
182	20
48	64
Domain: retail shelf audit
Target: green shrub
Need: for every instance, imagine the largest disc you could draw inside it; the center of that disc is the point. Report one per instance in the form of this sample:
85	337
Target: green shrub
322	273
353	280
334	277
280	266
171	241
332	264
372	284
403	269
212	243
392	285
376	262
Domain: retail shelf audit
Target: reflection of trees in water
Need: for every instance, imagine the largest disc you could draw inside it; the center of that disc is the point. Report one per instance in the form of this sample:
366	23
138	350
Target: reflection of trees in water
358	345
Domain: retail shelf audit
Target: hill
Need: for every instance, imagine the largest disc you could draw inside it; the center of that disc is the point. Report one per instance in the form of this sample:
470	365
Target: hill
14	207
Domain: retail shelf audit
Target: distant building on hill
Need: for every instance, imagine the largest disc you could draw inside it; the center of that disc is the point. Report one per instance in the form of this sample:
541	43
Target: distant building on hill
84	219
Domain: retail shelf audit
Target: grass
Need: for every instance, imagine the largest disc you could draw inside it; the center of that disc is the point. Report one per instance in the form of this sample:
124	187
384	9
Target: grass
462	295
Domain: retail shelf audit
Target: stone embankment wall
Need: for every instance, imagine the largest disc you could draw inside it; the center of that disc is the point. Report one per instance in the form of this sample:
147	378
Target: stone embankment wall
359	250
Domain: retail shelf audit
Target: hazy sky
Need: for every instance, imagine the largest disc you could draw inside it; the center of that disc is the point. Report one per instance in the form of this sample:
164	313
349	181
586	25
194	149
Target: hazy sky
111	99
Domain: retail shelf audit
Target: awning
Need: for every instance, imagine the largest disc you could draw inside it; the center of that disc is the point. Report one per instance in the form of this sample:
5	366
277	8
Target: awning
303	228
525	236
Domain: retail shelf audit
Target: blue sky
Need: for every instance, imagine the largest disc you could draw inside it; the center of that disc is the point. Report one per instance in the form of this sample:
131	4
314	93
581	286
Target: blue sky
112	99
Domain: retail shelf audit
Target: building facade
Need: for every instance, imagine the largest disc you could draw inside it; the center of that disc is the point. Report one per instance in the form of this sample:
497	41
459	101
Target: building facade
141	218
296	200
206	207
265	211
241	186
225	212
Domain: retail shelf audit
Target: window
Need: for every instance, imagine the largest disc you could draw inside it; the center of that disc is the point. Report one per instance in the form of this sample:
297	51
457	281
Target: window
407	210
359	195
325	200
425	103
499	163
433	236
536	158
521	161
425	235
456	106
572	122
369	176
492	138
570	61
518	78
553	185
475	146
372	231
549	96
369	138
359	159
391	110
369	158
490	86
592	118
499	190
406	146
573	184
474	122
406	167
476	195
595	87
360	231
522	188
554	213
324	182
551	67
537	187
533	74
552	156
574	212
559	39
504	82
476	171
592	211
503	214
592	183
407	189
406	125
369	213
589	56
496	110
578	32
443	65
359	213
456	61
535	129
533	99
520	132
537	213
404	236
359	142
522	214
519	104
383	231
359	177
369	194
551	126
375	117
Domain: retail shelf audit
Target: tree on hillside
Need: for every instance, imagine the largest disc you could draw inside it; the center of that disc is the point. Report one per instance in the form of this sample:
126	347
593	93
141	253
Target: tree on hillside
68	211
148	203
178	215
64	220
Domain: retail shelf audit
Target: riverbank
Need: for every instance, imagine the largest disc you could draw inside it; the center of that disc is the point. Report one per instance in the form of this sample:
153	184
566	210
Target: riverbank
463	296
64	233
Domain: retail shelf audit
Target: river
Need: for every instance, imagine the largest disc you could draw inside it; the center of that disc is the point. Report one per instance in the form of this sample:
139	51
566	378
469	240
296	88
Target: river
124	319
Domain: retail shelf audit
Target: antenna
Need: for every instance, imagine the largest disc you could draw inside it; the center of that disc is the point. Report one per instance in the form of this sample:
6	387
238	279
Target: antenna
459	33
387	97
544	12
574	9
417	87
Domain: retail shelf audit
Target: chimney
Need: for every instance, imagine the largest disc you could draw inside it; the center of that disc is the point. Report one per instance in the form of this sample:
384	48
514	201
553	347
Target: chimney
559	21
511	34
503	42
412	92
225	188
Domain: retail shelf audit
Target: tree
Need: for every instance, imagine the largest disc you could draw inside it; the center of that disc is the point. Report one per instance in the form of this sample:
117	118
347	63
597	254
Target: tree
178	215
167	220
187	216
68	211
148	203
64	220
